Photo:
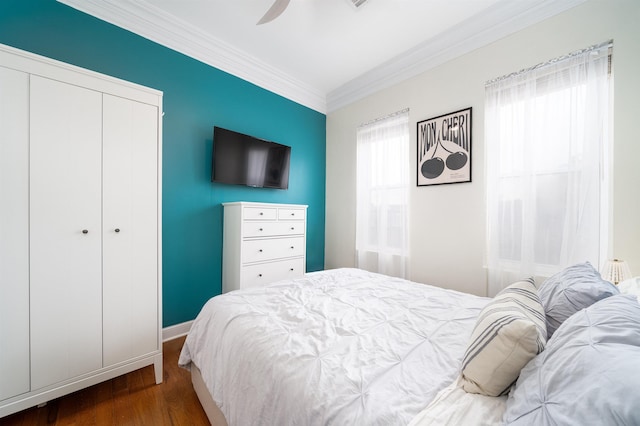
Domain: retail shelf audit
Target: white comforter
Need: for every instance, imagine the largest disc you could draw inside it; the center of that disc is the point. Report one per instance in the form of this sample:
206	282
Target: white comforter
340	347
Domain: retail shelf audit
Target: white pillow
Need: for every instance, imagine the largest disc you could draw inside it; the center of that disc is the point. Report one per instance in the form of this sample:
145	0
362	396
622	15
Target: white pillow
509	332
630	286
589	373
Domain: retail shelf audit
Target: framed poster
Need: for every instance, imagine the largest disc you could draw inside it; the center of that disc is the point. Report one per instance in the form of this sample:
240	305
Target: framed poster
444	149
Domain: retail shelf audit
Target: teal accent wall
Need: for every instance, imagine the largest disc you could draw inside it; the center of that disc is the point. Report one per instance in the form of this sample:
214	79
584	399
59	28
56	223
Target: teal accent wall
196	98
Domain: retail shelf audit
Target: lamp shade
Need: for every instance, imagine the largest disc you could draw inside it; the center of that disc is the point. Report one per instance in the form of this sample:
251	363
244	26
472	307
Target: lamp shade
616	271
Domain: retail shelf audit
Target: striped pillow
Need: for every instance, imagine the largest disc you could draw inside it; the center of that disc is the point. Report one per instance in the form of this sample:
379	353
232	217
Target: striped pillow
509	332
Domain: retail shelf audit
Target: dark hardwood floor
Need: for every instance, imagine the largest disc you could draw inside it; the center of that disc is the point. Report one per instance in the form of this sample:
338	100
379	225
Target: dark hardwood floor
132	399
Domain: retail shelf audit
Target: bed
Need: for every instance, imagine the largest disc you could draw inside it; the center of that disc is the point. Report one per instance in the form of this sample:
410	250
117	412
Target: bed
347	346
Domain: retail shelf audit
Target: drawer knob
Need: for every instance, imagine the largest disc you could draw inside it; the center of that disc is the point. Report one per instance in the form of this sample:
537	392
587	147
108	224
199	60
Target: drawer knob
260	229
260	250
85	231
291	269
293	229
117	229
291	247
261	214
293	214
260	275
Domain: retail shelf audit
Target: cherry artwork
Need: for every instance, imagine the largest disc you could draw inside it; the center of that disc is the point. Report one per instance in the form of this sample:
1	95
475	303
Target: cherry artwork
444	148
433	167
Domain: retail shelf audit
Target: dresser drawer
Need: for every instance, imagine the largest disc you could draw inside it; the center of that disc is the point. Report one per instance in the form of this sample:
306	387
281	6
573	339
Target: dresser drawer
266	273
260	213
276	248
291	214
271	229
262	243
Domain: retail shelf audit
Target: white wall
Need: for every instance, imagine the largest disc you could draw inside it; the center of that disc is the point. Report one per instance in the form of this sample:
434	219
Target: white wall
448	221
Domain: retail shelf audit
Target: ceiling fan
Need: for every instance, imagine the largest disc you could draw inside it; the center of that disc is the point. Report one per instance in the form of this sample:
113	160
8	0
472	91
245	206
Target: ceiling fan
279	6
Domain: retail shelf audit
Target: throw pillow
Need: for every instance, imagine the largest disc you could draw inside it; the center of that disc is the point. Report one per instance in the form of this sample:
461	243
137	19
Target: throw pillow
570	290
509	332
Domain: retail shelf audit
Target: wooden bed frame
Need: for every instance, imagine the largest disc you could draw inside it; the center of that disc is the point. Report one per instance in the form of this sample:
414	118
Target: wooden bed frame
208	404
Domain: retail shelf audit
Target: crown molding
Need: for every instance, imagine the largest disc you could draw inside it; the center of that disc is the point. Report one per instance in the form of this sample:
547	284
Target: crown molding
148	21
502	19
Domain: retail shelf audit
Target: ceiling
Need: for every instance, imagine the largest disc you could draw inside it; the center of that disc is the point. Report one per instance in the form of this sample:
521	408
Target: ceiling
323	54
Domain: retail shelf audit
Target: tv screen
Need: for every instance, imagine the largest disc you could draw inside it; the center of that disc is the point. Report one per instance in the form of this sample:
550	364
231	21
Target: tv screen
240	159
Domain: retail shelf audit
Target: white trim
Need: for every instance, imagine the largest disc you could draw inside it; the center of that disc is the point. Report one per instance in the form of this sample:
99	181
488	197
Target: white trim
175	331
503	18
151	22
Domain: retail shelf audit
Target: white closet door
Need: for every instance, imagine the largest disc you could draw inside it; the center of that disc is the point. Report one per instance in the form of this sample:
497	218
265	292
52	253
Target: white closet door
14	233
65	198
130	199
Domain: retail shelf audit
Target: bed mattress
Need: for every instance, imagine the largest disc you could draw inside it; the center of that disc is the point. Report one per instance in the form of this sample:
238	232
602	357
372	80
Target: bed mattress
336	347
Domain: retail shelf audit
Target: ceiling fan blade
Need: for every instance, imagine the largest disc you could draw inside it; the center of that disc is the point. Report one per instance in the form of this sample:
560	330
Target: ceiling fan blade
274	11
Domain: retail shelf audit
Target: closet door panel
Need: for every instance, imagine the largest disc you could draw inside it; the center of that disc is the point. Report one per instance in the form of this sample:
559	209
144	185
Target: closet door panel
65	199
130	200
14	233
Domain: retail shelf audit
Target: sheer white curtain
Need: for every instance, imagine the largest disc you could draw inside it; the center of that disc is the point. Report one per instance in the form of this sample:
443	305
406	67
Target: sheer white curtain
382	213
547	162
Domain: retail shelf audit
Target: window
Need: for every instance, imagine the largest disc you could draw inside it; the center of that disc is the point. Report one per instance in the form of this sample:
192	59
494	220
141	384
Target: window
382	211
547	160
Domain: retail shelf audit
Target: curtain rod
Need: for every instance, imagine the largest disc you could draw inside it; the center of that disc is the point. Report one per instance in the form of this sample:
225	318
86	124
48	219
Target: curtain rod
607	44
393	114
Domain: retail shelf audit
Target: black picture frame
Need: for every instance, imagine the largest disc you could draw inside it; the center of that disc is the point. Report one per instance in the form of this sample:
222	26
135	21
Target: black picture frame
444	149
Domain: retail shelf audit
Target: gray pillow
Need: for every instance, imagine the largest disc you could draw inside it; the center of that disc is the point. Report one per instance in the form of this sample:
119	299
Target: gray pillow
570	290
589	373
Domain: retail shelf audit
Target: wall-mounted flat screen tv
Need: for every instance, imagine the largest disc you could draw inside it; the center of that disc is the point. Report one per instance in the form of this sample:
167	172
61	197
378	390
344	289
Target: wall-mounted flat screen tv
240	159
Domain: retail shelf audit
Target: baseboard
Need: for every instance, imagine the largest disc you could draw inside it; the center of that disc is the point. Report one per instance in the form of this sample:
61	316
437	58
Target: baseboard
175	331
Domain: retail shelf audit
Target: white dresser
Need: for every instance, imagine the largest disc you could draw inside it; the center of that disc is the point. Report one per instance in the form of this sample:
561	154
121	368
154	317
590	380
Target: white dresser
80	270
262	243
